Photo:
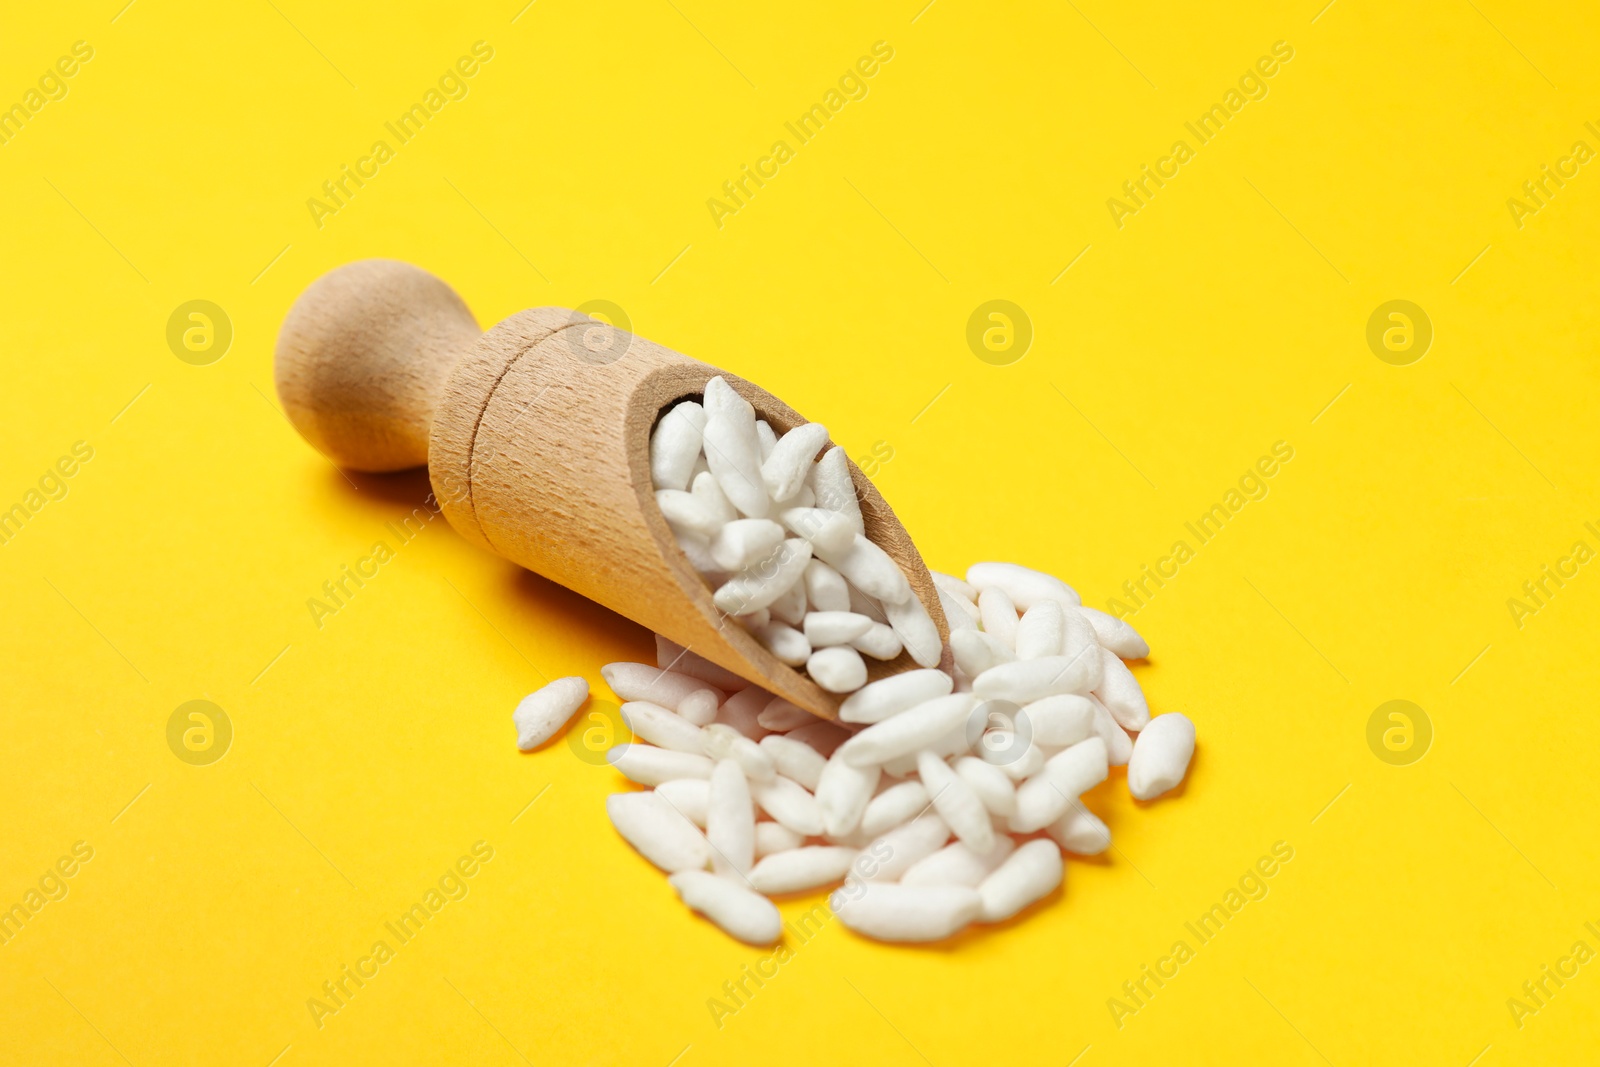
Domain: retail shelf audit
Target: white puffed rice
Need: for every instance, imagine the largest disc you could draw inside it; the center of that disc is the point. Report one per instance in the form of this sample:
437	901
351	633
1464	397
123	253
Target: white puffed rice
922	802
777	531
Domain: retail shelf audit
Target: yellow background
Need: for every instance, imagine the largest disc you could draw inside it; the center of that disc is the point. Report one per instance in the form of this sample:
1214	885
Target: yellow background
1227	315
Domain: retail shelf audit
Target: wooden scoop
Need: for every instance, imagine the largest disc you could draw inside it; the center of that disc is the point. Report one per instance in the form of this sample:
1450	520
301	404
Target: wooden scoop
537	440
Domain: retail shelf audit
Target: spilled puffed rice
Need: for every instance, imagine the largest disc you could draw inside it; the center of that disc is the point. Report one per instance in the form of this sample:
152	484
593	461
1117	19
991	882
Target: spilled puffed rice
939	801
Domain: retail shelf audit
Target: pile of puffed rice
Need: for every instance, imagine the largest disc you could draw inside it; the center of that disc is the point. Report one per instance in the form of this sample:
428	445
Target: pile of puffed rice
750	796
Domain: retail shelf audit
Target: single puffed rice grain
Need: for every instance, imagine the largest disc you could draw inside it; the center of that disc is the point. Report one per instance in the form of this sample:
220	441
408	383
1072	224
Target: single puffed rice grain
1060	720
541	714
649	765
1024	585
879	641
720	396
1119	746
1161	755
888	912
843	793
801	869
1116	634
868	568
730	820
908	732
1025	681
1039	631
825	628
767	437
999	616
956	802
830	480
916	631
675	444
663	728
743	542
785	468
1029	873
733	449
669	688
825	587
659	831
838	670
894	694
742	913
787	645
1065	776
1080	831
700	706
1119	691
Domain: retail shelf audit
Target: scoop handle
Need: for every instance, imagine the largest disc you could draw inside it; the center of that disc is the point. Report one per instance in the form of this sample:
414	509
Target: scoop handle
362	361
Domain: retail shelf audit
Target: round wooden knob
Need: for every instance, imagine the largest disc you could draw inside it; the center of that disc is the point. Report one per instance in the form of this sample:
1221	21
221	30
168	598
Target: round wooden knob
363	358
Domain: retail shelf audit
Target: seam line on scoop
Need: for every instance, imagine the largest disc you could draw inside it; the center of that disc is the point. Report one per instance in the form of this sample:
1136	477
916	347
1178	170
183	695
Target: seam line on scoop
477	425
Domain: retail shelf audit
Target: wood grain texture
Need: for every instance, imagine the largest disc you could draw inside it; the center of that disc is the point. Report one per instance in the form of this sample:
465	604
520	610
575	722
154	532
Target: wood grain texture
455	425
